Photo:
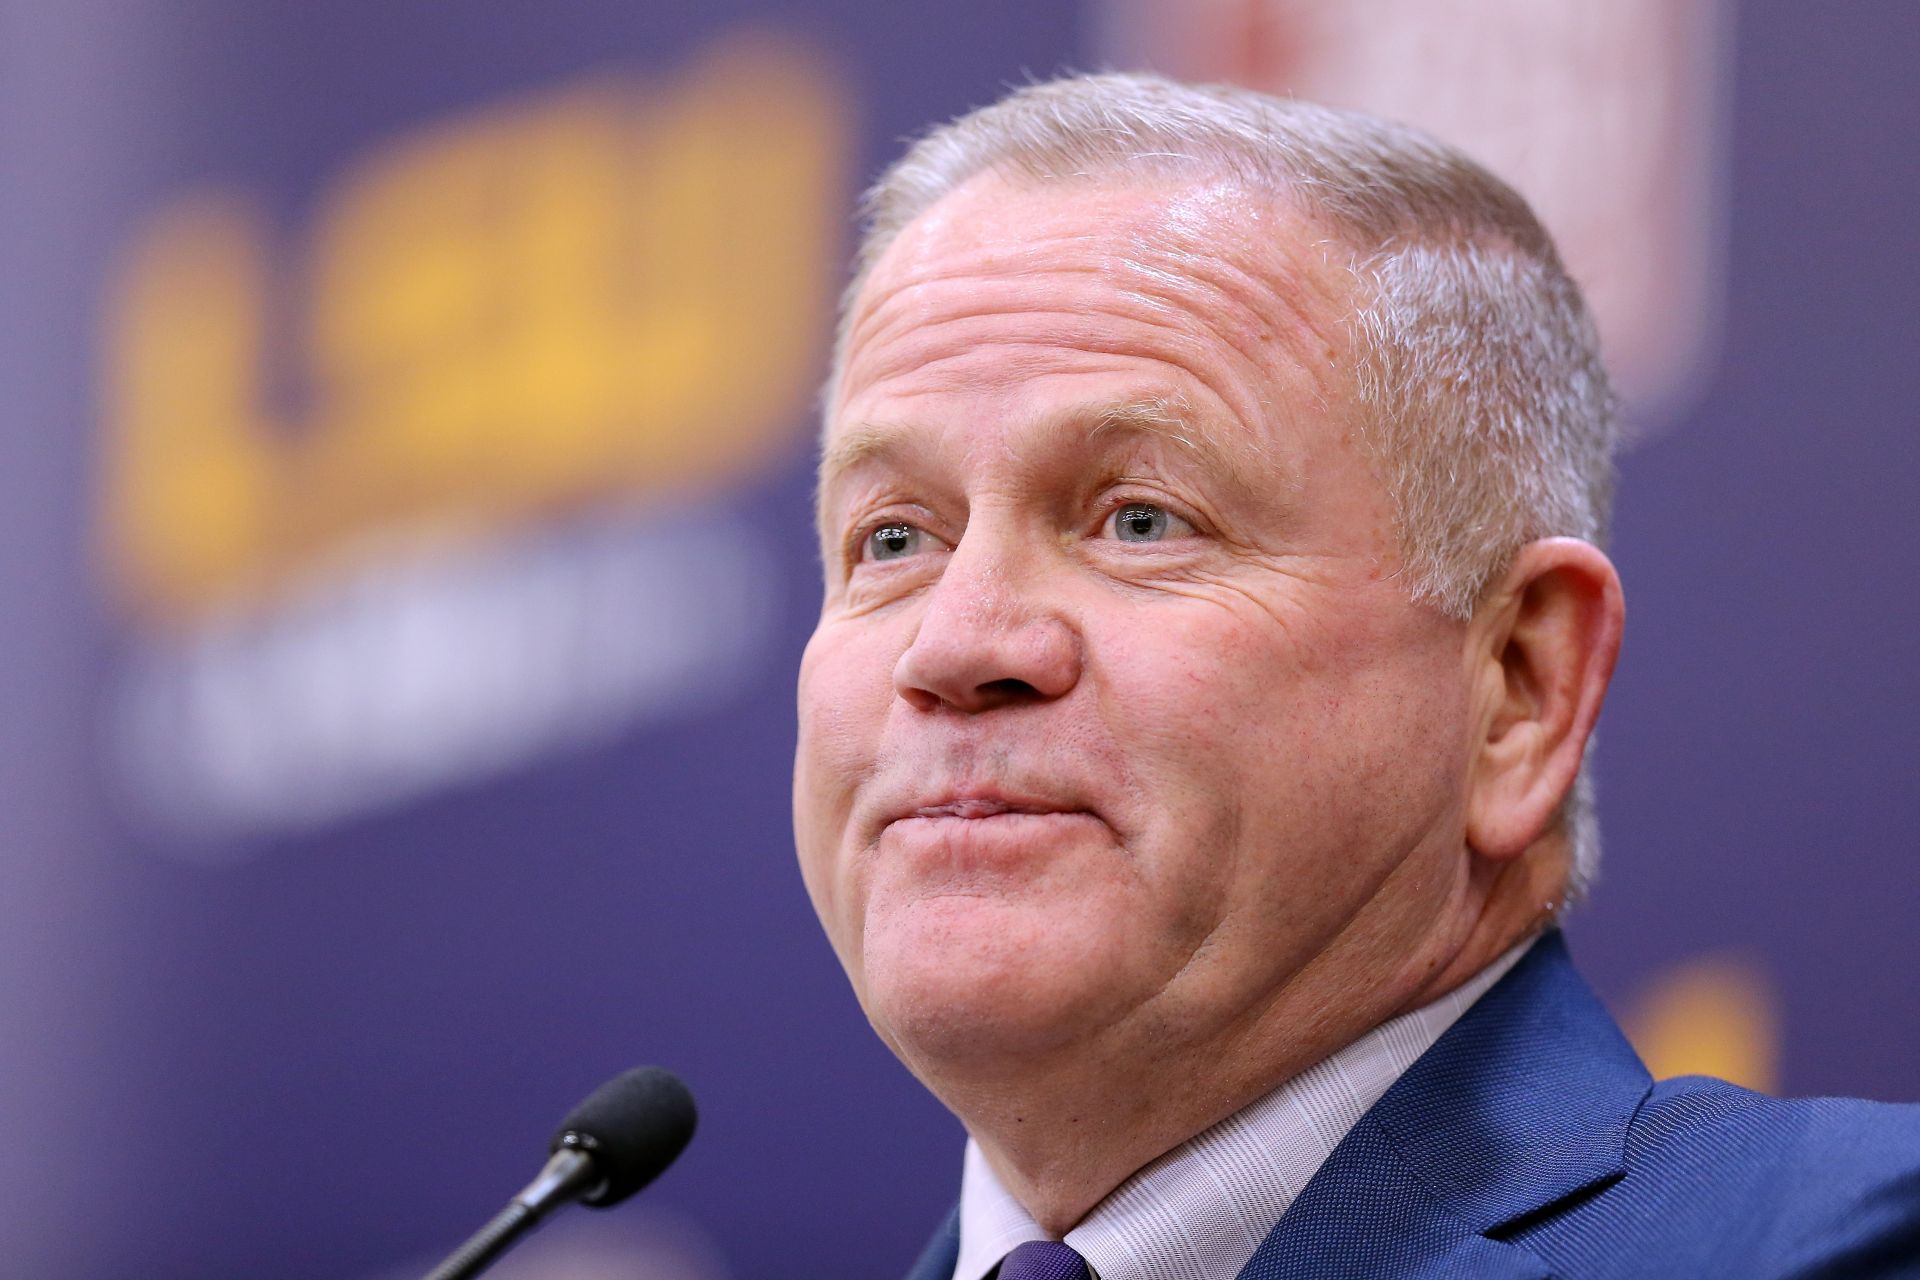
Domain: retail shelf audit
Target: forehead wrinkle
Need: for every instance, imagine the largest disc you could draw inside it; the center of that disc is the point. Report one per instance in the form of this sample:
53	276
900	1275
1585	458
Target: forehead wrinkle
953	337
1245	461
1159	332
924	257
924	252
1263	283
1243	454
1291	308
1194	282
1188	286
1251	341
885	306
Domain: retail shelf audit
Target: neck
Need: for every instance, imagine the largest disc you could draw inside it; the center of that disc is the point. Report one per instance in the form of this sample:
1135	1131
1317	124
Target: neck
1062	1134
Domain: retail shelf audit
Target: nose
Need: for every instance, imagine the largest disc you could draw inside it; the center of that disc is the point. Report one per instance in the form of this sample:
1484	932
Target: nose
993	634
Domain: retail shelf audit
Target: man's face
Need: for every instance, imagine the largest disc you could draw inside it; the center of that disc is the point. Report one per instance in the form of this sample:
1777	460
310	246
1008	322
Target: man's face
1116	717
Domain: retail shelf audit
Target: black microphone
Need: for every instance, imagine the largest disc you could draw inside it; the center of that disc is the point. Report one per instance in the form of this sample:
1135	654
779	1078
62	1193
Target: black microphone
619	1139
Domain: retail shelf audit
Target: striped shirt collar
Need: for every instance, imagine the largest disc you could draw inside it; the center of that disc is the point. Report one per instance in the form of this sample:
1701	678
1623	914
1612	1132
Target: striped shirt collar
1200	1211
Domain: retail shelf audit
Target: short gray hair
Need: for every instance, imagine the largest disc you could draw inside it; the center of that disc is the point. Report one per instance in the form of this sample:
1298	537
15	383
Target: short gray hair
1485	408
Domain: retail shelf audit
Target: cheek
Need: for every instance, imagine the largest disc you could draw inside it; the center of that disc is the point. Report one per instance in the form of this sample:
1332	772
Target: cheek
1199	690
1288	737
845	695
1187	714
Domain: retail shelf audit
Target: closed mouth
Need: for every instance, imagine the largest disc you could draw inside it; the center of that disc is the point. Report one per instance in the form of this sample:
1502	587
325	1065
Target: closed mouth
978	808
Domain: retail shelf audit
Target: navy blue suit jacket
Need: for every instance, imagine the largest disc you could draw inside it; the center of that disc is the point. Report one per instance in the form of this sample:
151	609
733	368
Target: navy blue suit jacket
1529	1142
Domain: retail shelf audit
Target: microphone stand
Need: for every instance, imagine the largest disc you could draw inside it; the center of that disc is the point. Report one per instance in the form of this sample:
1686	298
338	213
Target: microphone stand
567	1177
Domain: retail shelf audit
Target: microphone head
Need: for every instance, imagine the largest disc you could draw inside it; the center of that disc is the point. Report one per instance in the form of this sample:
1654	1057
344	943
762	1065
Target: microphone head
634	1126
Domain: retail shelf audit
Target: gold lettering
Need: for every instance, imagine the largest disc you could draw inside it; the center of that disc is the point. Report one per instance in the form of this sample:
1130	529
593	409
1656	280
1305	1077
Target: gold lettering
604	293
189	465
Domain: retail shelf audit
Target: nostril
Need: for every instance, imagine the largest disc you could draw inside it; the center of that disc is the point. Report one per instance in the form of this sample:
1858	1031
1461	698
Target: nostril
1002	692
968	658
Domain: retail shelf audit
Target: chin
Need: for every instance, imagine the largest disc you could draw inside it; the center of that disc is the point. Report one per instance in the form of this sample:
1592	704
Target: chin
968	979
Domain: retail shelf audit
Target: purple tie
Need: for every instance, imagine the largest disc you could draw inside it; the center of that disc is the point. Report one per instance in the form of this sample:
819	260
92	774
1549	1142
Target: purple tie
1043	1260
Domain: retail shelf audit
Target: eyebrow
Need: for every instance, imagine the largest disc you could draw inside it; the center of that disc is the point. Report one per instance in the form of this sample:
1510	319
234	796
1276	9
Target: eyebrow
1248	464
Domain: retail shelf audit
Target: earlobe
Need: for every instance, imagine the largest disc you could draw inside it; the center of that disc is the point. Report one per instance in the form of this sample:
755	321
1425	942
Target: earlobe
1549	634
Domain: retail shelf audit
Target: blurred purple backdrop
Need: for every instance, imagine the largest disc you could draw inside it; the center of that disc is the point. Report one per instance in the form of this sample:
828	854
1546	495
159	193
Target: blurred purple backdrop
251	1033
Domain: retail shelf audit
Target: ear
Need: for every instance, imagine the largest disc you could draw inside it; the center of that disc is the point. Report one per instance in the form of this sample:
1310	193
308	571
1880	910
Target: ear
1544	640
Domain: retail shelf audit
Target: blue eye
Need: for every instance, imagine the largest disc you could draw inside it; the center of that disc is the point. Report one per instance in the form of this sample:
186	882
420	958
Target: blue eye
1141	522
893	542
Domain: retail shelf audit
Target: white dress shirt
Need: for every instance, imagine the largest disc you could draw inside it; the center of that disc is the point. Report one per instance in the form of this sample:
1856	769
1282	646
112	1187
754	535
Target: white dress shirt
1199	1211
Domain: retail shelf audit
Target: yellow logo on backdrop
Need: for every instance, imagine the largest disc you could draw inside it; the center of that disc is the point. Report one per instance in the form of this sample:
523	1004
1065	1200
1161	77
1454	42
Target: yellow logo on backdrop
1714	1015
608	290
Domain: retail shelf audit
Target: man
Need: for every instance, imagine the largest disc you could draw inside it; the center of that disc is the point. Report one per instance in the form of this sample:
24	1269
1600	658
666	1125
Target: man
1191	747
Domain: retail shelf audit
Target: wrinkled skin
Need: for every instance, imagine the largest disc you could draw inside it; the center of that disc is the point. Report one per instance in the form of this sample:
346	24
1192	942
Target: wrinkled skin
1126	765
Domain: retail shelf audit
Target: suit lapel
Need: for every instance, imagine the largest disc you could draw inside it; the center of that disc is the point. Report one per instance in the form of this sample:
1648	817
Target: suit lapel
1524	1102
942	1253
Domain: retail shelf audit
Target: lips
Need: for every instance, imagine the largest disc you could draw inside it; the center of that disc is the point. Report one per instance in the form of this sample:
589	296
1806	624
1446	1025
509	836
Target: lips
981	801
943	806
969	837
977	814
973	807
